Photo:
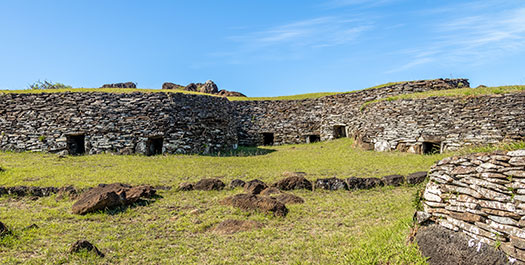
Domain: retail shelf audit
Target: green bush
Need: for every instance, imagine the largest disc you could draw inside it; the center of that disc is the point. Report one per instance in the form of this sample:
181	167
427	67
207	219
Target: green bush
48	85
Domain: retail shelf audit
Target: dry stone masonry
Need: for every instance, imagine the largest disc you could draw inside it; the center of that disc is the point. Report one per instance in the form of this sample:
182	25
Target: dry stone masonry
482	196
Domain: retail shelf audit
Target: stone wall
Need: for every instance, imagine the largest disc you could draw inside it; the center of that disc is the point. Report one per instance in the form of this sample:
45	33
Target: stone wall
293	121
448	123
116	123
482	196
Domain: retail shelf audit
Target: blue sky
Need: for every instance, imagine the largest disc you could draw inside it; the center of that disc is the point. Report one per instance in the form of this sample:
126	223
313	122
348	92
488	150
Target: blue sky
261	48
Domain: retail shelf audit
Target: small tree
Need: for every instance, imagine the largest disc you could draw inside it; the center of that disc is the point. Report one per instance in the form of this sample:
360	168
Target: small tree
47	85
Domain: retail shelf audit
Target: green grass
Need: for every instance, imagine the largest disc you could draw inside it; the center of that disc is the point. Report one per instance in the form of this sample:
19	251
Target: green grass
341	227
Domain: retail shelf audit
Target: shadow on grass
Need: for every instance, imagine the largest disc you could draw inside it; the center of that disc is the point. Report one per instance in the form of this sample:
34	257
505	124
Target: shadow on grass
243	151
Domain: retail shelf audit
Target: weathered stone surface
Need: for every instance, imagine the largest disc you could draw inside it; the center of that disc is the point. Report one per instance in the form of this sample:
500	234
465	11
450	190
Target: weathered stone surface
254	202
516	153
254	186
293	183
270	191
393	180
136	193
421	217
226	93
443	247
363	183
185	186
416	177
169	85
209	184
209	87
236	183
86	246
231	226
120	85
331	184
287	198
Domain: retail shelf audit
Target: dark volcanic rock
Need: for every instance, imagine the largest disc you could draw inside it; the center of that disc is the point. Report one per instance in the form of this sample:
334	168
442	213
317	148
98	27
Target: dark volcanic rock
3	229
363	183
169	85
3	191
68	191
254	202
331	184
192	87
416	178
18	190
233	226
393	180
85	245
270	191
209	184
226	93
287	198
236	183
209	87
136	193
293	183
120	85
444	246
254	186
185	186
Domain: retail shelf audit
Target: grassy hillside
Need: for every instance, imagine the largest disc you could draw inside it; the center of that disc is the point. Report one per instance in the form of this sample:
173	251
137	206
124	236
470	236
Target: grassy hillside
360	227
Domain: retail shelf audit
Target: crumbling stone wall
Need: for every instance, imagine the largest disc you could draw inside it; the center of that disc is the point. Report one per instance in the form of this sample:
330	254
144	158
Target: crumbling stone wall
292	121
116	123
448	122
482	196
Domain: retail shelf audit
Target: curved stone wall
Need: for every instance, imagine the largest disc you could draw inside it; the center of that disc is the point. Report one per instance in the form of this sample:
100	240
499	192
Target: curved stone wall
116	123
482	196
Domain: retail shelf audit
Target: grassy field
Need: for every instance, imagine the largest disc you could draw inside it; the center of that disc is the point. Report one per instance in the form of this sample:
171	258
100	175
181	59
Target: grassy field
359	227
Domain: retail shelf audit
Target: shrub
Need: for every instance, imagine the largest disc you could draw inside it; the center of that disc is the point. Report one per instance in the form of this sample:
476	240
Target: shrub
47	85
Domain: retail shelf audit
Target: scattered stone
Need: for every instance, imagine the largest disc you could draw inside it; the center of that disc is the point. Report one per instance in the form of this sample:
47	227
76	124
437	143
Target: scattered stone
209	184
416	178
293	183
287	198
68	191
421	217
254	186
87	246
185	186
169	85
393	180
234	226
363	183
3	230
444	246
120	85
236	183
136	193
254	202
226	93
270	191
331	184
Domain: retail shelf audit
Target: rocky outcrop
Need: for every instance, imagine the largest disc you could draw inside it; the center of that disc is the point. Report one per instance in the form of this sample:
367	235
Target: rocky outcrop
169	85
209	87
481	196
120	85
227	93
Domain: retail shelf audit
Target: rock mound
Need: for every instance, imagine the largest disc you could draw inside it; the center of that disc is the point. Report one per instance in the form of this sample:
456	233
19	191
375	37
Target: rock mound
226	93
85	245
109	196
254	186
209	184
120	85
293	183
444	247
331	184
259	203
270	191
287	198
209	88
231	226
393	180
363	183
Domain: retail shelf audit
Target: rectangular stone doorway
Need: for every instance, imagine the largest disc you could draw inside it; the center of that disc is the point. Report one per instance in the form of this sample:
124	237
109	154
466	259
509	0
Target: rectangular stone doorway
339	131
430	148
268	138
154	146
76	144
314	138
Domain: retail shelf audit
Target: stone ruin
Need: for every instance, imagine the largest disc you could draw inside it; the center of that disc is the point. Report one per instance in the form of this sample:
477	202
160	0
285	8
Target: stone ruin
209	88
157	123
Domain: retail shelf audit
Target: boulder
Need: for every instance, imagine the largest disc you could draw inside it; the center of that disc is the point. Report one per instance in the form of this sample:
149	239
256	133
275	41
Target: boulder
416	178
185	186
363	183
209	87
84	245
136	193
270	191
169	85
393	180
254	186
120	85
287	198
234	226
192	87
443	246
226	93
254	202
236	183
293	183
3	230
331	184
209	184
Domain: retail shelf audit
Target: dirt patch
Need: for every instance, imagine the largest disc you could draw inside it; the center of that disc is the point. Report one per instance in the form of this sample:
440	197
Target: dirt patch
258	203
234	226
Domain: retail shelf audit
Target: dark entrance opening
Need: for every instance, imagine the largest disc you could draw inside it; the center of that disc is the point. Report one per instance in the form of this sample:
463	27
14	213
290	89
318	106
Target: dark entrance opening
154	146
76	144
430	148
314	138
268	138
339	131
